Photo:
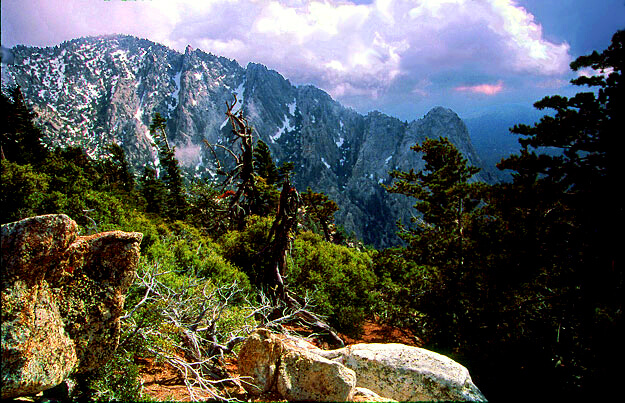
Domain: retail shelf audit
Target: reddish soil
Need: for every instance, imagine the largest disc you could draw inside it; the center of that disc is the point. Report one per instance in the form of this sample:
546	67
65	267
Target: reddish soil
374	332
163	382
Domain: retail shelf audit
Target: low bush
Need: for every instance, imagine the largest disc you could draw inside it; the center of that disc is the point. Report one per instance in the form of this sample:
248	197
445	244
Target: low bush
341	278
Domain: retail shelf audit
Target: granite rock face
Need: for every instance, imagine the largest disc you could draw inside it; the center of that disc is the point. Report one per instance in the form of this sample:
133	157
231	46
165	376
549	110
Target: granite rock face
298	370
62	296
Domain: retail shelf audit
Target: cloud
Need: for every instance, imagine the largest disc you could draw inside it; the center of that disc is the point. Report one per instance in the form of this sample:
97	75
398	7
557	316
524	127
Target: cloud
590	72
6	56
345	47
552	83
486	89
523	37
348	49
188	155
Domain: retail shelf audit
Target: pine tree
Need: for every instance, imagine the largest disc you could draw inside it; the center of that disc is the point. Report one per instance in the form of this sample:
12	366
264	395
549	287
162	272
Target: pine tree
438	239
444	198
20	139
564	215
171	173
153	191
263	163
118	173
320	209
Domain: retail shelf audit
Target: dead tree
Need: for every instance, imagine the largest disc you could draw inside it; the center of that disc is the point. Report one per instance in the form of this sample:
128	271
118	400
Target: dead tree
279	244
185	326
279	239
246	198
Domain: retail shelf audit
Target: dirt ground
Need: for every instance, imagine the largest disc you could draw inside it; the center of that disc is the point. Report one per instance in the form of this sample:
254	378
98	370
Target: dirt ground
162	382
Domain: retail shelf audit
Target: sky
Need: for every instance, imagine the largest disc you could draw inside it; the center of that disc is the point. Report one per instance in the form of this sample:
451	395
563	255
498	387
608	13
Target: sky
401	57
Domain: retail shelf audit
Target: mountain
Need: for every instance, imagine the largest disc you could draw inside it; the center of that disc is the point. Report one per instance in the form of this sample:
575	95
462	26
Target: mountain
97	90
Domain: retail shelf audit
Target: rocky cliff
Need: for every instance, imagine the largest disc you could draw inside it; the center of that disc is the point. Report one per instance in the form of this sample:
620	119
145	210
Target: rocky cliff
93	91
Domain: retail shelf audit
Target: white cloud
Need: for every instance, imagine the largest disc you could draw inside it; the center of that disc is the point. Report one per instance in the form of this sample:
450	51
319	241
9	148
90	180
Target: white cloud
188	155
343	47
523	37
351	49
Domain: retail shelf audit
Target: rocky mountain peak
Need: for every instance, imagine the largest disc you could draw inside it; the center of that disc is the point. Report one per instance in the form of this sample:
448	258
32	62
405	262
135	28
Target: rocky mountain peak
92	91
441	111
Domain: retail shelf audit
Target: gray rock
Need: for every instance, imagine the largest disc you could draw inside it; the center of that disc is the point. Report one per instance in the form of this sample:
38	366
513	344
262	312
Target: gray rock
407	373
291	367
362	372
306	376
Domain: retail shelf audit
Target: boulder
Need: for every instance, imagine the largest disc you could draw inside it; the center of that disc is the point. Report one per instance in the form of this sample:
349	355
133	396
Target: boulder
298	370
258	360
423	375
306	376
62	296
292	367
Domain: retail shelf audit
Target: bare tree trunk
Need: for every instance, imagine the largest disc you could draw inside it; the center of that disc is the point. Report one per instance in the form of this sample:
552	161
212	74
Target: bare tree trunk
279	240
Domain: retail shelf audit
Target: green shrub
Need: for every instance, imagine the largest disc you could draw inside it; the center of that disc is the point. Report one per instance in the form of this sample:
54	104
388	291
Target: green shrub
342	279
117	380
247	248
23	191
401	284
183	248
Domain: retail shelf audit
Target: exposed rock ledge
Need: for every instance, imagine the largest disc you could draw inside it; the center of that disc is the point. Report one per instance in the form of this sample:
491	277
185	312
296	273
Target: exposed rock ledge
298	370
62	296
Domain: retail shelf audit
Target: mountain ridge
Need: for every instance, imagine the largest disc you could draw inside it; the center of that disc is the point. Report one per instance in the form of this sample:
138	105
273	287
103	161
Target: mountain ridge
97	90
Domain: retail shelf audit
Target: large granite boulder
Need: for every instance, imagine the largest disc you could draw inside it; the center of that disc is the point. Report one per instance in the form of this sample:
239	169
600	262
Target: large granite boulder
298	370
292	367
423	375
62	296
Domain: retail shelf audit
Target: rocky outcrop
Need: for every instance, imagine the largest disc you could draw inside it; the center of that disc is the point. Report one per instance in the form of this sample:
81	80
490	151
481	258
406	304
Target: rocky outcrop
62	296
298	370
291	367
423	374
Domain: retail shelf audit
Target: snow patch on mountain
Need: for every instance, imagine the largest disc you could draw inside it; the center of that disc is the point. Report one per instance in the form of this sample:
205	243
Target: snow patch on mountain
325	163
292	107
176	93
240	94
286	127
